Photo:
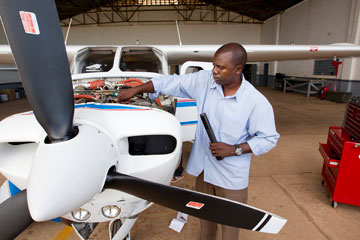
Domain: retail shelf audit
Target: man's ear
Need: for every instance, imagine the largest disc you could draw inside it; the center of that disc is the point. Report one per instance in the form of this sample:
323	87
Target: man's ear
239	69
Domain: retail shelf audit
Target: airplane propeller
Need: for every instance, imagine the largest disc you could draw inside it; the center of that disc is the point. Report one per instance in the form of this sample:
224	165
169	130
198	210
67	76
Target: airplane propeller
201	205
37	44
14	216
35	37
47	80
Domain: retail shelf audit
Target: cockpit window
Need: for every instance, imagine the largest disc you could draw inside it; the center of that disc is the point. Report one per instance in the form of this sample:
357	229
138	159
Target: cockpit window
91	60
140	59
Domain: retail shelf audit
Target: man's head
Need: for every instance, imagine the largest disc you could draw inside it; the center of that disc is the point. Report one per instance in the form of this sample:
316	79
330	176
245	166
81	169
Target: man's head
229	62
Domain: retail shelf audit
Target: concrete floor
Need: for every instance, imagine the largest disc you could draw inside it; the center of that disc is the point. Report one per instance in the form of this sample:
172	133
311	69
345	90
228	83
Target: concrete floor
286	181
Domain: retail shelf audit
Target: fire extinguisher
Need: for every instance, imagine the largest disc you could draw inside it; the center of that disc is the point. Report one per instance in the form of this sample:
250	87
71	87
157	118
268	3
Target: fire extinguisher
323	92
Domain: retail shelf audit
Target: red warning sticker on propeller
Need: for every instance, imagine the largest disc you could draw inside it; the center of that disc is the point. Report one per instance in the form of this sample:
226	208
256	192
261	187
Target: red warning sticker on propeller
29	22
195	205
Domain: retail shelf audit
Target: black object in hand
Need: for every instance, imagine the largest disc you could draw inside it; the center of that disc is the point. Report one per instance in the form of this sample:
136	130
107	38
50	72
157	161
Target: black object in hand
209	131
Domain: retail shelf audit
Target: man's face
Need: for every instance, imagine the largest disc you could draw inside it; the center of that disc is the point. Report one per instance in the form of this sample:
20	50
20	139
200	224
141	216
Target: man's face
225	71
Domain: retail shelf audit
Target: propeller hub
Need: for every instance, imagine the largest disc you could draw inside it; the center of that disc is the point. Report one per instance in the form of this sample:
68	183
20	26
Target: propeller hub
61	179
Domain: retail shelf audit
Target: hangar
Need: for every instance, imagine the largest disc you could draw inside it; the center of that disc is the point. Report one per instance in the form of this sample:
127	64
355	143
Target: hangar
247	22
286	181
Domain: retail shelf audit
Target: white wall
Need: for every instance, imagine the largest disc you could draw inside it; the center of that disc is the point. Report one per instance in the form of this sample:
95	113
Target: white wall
268	32
194	32
270	35
314	22
191	33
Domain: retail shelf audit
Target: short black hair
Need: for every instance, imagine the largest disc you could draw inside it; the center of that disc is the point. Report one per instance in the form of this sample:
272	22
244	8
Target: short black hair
239	54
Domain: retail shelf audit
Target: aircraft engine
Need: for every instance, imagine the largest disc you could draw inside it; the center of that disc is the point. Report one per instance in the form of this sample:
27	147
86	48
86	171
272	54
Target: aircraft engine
105	91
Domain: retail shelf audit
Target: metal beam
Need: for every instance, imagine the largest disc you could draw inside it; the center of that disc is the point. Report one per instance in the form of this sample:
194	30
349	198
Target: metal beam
195	13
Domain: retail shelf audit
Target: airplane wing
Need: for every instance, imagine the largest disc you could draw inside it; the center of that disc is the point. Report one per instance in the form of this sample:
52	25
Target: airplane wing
6	57
178	54
262	53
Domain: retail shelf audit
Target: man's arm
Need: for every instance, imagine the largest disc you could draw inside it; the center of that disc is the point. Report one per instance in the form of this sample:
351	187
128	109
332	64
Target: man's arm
130	92
262	129
221	149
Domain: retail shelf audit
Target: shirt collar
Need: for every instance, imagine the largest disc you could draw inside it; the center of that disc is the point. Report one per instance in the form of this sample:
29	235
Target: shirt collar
241	90
238	92
213	83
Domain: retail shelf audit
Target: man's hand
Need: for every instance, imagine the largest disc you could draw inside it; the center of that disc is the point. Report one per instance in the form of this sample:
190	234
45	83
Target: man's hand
125	94
220	149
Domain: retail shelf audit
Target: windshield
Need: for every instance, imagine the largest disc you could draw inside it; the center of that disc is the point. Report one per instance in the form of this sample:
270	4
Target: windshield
94	60
140	59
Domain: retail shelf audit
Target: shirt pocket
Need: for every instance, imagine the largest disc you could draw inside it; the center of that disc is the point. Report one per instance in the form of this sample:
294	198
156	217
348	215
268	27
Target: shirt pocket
234	125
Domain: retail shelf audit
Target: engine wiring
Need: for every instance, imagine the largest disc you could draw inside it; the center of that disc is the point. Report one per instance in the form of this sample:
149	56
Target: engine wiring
101	91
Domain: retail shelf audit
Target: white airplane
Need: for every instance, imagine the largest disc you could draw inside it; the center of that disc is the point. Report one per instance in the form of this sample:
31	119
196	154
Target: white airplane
104	70
98	161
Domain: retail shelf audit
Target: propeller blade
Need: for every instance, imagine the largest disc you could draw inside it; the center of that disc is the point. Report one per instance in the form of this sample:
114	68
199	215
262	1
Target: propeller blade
36	41
14	216
208	207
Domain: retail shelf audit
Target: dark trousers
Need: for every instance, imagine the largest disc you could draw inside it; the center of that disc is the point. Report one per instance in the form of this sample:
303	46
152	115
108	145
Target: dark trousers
209	229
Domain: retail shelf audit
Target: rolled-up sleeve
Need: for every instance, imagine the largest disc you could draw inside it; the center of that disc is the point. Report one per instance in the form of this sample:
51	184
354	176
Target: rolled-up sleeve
185	86
262	129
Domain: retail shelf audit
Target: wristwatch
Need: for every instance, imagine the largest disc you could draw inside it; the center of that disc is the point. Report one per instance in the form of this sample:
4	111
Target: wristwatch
238	150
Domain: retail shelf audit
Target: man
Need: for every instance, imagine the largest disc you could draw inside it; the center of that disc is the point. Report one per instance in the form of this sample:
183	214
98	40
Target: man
242	120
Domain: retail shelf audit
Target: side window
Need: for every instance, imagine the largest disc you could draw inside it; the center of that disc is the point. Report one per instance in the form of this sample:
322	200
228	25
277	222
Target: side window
194	66
95	60
193	69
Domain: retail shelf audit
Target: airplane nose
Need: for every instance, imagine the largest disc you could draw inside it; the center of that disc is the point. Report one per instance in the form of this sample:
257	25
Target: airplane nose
61	181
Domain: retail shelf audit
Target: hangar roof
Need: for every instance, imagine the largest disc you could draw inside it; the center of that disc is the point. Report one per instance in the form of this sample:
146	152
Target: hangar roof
256	9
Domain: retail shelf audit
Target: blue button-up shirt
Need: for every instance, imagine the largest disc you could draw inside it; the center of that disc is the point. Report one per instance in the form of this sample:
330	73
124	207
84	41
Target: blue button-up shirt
247	116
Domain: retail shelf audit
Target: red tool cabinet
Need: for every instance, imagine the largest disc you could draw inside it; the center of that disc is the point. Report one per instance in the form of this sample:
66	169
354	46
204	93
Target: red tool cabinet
341	154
